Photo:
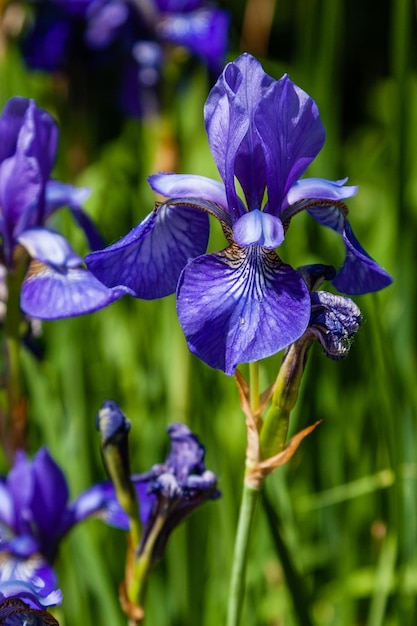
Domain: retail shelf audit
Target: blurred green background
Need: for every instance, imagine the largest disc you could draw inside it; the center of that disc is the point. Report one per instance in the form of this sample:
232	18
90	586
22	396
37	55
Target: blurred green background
339	546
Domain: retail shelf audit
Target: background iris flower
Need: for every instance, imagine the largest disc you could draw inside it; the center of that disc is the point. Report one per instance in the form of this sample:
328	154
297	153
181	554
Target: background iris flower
168	493
57	283
35	514
244	303
123	35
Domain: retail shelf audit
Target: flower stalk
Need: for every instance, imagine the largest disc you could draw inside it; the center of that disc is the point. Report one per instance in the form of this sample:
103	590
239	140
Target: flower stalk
267	448
275	426
14	416
114	429
151	505
250	497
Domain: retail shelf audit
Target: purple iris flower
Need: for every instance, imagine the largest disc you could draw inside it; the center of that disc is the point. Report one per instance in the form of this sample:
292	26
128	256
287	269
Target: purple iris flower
124	34
20	603
169	492
334	320
243	303
35	514
57	283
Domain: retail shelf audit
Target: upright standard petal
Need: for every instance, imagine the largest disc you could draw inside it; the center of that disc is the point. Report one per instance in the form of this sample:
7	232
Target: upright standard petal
20	484
240	305
6	507
186	455
234	142
292	134
20	119
149	260
29	154
50	498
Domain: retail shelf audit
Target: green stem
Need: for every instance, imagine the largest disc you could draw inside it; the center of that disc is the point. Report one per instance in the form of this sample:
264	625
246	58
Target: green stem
143	563
247	510
237	584
14	420
275	427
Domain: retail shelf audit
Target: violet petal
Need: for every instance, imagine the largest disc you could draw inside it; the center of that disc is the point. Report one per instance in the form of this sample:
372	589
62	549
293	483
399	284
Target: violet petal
51	294
359	273
240	305
292	135
151	257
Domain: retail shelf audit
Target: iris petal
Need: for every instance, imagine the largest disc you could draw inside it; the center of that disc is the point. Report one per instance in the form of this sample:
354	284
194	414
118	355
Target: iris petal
189	186
233	139
23	173
51	294
26	128
227	123
101	501
98	501
17	199
29	594
186	455
239	305
292	135
259	228
49	247
6	506
20	484
151	257
59	194
50	496
359	273
321	189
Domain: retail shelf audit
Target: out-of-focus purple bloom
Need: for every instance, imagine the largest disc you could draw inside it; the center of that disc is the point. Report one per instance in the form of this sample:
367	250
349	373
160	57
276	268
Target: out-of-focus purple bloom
169	492
57	284
20	603
244	303
126	34
35	514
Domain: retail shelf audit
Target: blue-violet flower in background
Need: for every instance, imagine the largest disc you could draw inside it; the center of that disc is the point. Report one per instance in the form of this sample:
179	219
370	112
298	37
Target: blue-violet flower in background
132	37
169	492
243	303
57	283
35	514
